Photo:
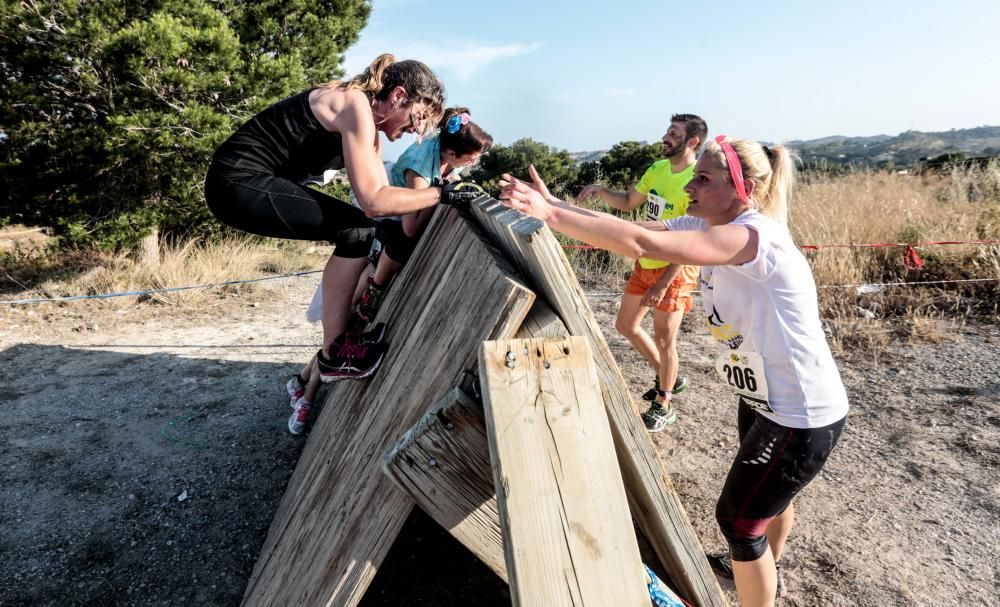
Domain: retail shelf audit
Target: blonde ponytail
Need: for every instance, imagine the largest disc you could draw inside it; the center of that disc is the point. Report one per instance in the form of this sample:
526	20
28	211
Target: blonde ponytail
777	193
770	169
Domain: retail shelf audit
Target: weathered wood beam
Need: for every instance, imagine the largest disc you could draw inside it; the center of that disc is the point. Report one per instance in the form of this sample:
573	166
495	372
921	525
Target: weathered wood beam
568	534
340	514
443	463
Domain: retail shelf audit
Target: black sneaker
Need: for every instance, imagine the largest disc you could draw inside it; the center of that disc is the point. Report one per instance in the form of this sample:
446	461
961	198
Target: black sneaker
721	564
350	360
650	394
370	302
679	386
371	336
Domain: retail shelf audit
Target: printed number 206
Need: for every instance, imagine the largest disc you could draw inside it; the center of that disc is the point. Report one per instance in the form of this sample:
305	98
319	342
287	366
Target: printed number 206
741	378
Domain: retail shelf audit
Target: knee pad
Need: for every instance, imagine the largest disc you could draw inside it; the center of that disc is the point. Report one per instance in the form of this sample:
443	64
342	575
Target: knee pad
746	536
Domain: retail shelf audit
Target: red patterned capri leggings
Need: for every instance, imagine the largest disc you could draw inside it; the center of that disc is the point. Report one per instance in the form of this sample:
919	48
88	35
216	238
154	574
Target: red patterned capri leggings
772	465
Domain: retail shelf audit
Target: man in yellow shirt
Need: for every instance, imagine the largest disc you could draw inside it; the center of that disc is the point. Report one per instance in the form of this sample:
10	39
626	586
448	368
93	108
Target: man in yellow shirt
657	284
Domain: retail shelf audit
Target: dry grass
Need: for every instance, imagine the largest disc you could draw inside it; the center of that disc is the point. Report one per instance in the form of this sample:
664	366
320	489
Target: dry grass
192	263
877	207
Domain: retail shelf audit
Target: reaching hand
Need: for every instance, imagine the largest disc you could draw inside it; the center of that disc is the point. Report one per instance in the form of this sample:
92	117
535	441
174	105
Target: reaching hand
589	191
538	184
653	296
460	193
531	199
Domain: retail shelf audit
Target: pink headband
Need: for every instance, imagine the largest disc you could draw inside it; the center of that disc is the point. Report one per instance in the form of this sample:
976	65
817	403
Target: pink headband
735	168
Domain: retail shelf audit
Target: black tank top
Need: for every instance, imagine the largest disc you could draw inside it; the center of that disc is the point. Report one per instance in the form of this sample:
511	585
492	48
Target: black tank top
285	140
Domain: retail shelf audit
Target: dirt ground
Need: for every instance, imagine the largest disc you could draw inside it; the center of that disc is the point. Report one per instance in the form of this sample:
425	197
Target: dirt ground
143	454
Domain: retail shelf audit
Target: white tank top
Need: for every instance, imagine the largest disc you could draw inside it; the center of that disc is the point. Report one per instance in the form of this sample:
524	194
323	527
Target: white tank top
768	306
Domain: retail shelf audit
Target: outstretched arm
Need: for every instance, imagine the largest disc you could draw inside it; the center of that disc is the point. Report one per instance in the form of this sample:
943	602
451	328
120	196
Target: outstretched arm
718	245
623	201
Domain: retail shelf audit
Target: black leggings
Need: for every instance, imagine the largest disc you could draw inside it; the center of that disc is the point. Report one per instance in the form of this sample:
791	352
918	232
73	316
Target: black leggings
772	465
274	206
395	243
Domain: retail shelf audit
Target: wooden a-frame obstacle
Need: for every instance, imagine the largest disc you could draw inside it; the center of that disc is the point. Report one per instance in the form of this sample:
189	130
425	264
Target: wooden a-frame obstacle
557	530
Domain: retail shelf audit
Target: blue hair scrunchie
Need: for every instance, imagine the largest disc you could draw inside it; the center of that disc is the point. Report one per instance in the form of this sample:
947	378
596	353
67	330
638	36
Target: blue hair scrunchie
454	123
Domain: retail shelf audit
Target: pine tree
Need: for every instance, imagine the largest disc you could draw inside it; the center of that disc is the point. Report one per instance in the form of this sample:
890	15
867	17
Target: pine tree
554	165
110	109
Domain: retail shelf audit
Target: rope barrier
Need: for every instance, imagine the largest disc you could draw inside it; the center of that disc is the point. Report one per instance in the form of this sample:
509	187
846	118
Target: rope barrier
871	245
155	291
870	286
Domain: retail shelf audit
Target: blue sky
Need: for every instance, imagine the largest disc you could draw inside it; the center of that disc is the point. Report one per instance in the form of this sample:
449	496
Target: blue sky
583	76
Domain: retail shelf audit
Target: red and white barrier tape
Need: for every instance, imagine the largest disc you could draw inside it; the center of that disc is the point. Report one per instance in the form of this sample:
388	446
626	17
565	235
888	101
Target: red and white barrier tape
872	287
911	260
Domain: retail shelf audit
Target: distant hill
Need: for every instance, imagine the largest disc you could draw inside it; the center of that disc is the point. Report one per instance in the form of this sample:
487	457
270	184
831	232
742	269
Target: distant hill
903	150
906	149
581	157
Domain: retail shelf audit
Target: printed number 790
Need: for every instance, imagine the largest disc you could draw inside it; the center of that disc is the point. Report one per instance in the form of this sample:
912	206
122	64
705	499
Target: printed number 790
741	378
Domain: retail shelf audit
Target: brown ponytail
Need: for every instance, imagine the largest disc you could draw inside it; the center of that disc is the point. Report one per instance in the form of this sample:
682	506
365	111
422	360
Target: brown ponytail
385	73
371	81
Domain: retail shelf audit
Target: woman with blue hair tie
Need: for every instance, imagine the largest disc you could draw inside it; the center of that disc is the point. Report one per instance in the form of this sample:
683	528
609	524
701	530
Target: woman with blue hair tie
441	157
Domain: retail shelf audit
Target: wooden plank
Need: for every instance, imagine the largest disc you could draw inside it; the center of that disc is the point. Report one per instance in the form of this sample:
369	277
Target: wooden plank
655	505
340	514
568	535
443	464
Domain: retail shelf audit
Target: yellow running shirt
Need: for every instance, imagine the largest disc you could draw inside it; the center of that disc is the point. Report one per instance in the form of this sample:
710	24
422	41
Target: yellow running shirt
665	198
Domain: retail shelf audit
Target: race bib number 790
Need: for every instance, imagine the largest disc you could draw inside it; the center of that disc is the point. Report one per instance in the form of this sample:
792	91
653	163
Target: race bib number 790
654	206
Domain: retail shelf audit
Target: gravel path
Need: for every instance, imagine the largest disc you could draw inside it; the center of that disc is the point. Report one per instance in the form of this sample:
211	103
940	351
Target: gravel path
143	454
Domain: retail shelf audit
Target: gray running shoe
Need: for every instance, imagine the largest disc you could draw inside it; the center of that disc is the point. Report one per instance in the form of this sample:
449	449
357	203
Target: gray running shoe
295	390
721	564
300	417
657	417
